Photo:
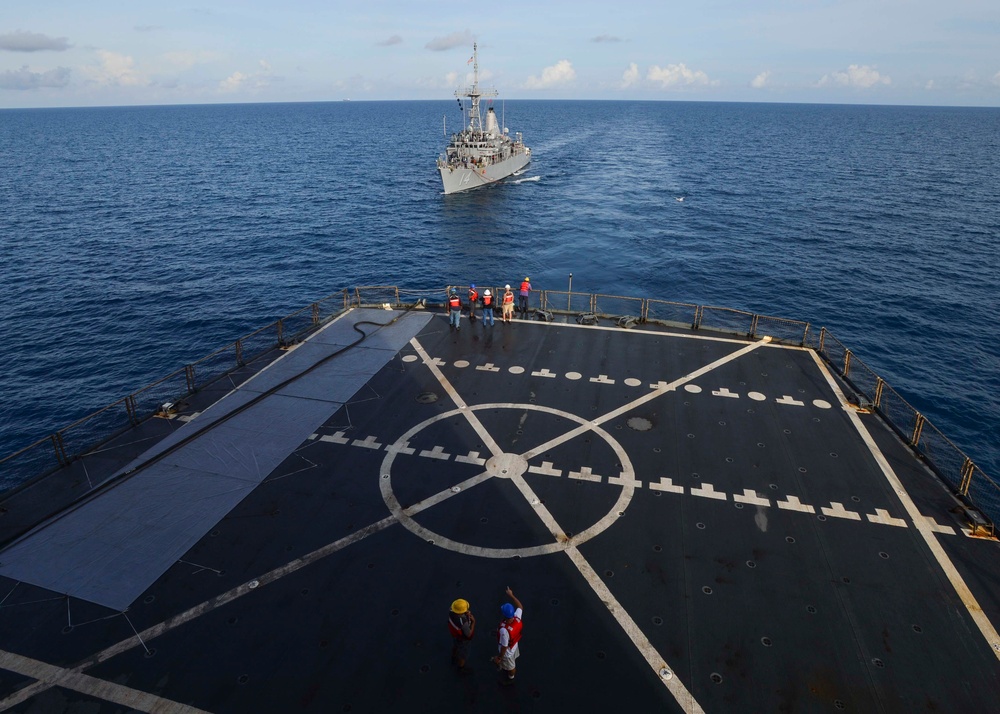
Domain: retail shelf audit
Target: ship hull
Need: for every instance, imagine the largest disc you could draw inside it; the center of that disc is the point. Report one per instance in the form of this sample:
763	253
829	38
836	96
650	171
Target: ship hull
459	179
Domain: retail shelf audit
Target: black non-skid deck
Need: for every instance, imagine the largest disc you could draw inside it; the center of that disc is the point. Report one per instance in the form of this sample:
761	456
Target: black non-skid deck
693	522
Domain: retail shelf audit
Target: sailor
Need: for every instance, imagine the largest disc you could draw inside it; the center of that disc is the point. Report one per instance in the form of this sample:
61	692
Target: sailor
454	309
488	307
508	635
508	304
473	299
523	296
462	626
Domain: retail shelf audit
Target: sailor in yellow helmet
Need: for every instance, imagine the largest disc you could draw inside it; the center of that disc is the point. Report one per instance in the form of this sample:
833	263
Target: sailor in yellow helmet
462	626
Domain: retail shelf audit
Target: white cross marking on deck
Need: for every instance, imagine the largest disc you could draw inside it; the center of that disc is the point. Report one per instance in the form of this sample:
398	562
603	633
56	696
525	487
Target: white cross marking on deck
666	484
472	458
707	490
602	379
936	527
543	373
337	438
750	496
723	392
790	401
545	469
624	480
882	516
488	367
837	510
368	443
403	448
585	474
436	453
792	503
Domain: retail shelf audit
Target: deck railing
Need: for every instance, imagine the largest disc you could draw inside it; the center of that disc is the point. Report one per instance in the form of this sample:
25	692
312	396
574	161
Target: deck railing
85	435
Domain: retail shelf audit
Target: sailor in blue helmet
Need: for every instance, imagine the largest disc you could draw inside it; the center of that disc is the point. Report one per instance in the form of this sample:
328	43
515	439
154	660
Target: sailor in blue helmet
473	298
454	309
508	636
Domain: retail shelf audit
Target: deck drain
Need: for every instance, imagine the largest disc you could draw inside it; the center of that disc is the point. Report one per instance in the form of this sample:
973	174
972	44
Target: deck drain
847	581
751	564
394	612
789	539
214	533
657	449
729	459
427	397
657	548
149	598
839	704
766	641
609	573
821	518
707	590
738	505
484	519
304	591
715	677
878	663
834	454
151	652
601	654
802	469
811	610
883	555
773	486
233	620
722	423
918	629
554	602
760	444
425	668
695	475
855	499
690	436
657	620
699	526
787	431
639	424
243	679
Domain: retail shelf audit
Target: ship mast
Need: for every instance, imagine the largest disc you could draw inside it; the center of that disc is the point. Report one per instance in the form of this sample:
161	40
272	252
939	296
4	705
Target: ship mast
473	93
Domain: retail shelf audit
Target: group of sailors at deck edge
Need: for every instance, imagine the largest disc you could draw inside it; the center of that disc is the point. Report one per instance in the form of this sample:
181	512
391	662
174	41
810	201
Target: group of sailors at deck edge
488	302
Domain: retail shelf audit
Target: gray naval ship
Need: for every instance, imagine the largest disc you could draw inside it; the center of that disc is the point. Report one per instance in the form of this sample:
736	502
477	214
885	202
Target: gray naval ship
483	152
700	509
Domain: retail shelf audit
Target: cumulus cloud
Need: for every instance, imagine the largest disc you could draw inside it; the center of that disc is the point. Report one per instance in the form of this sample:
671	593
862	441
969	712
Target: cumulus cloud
760	80
21	41
860	76
448	42
115	69
630	76
24	78
247	81
605	38
677	75
389	41
561	72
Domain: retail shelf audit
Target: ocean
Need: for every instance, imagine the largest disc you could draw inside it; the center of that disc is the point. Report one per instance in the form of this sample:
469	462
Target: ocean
135	240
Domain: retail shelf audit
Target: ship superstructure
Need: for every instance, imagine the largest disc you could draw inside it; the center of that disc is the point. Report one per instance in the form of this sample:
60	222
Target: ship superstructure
483	152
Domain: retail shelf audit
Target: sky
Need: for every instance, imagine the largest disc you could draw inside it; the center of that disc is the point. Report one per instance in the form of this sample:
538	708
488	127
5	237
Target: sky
112	53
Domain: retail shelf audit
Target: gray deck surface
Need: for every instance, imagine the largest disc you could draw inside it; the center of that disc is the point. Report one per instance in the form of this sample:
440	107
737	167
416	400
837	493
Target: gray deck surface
673	502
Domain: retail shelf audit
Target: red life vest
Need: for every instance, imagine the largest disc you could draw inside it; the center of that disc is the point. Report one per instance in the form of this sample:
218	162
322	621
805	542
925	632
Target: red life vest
487	300
473	296
525	287
513	632
454	303
508	298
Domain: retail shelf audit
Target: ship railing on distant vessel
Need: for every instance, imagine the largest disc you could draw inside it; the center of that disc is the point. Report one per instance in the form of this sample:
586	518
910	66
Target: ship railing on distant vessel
85	436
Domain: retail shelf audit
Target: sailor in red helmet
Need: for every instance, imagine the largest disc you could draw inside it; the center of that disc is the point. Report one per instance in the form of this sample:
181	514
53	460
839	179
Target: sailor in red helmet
508	635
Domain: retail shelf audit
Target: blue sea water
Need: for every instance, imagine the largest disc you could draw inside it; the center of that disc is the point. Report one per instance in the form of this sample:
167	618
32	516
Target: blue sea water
135	240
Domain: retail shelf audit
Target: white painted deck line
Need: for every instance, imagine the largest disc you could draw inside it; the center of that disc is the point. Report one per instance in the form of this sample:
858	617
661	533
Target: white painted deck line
920	521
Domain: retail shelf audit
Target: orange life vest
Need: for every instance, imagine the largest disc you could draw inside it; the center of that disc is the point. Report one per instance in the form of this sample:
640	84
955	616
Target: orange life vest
473	296
525	287
487	300
508	298
454	303
513	632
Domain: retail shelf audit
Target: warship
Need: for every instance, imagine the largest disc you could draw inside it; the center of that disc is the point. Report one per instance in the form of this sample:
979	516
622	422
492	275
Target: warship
700	509
482	153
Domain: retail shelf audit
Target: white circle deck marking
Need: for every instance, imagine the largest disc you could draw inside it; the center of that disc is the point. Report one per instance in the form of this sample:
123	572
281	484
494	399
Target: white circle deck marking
693	388
410	358
822	404
573	375
633	382
757	396
514	463
516	370
461	363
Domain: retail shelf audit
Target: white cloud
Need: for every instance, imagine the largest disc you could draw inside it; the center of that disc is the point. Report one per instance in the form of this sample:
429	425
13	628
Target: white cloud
240	81
21	41
561	72
996	78
677	75
930	85
451	79
630	76
394	40
861	76
115	69
24	78
448	42
760	80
